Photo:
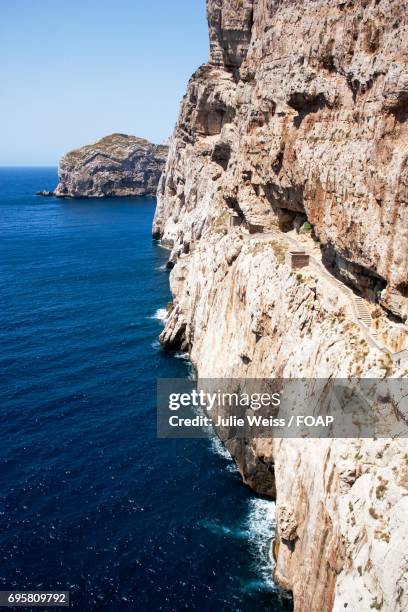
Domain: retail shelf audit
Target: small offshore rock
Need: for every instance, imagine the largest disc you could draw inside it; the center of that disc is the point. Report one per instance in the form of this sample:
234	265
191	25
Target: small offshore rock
45	193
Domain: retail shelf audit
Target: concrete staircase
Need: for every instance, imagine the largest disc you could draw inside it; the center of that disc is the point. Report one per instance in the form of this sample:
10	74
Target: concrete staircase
362	311
364	317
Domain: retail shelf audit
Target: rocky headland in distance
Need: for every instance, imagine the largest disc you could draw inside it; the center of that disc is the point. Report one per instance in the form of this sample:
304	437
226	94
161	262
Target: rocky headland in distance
117	165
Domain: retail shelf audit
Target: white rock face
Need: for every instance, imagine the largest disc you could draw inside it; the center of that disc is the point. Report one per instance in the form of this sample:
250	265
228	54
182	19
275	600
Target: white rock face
300	115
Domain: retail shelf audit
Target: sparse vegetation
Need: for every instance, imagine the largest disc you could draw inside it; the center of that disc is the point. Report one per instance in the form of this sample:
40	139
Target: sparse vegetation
386	363
279	251
400	594
381	489
341	315
306	228
373	513
382	535
259	247
220	224
377	605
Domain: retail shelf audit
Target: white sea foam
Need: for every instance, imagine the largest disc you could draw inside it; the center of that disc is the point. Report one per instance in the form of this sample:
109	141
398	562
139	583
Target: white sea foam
160	315
261	531
162	268
232	468
156	345
218	448
184	356
191	375
258	529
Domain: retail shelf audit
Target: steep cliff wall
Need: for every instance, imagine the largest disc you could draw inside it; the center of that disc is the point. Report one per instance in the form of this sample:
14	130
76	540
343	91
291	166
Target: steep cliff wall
116	165
300	116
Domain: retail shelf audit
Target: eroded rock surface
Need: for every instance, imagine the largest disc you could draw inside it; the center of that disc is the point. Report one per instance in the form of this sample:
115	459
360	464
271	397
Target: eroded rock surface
300	116
117	165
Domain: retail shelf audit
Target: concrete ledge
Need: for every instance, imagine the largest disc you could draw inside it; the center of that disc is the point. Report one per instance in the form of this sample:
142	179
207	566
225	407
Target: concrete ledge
297	259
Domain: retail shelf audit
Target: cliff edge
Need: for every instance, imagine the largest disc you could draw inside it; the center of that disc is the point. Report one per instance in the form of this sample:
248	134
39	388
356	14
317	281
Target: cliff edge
296	130
116	165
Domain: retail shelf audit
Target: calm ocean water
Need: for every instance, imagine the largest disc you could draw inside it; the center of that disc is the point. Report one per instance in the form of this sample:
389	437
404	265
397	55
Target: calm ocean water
90	500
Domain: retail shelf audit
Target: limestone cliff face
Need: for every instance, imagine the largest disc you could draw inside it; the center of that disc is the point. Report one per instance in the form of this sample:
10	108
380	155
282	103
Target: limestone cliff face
300	116
302	111
117	165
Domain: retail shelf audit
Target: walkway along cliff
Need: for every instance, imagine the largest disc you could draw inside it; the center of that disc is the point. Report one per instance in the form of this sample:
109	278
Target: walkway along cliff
297	128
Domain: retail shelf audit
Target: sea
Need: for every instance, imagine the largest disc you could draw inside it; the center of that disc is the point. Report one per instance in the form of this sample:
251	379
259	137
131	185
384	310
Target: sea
91	501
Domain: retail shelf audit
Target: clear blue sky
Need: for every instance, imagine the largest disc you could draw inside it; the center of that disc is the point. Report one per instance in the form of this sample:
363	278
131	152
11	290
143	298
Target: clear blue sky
73	71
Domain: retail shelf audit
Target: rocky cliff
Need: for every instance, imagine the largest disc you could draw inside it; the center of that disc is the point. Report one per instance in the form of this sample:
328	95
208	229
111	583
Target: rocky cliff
117	165
296	130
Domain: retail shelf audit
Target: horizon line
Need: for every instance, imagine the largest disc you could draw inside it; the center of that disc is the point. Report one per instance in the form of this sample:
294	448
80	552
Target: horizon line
27	166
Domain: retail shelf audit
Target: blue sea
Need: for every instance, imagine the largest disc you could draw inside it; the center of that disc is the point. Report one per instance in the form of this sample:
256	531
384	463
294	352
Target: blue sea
90	500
